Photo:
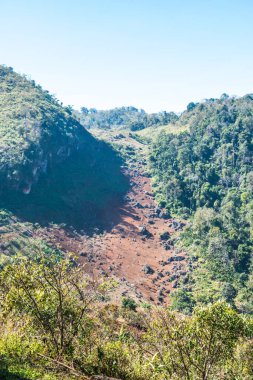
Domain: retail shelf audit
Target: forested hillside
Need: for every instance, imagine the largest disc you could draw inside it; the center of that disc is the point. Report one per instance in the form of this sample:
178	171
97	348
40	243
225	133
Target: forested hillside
51	168
205	174
123	118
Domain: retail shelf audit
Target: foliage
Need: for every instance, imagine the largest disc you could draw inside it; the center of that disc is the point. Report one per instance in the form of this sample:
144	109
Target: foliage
54	326
51	168
123	118
198	347
206	173
35	131
129	303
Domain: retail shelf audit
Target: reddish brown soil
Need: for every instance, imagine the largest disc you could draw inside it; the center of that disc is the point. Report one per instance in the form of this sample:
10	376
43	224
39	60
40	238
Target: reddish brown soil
123	252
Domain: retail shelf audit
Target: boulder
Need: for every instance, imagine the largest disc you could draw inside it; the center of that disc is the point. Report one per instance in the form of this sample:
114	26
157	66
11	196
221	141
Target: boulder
144	231
147	269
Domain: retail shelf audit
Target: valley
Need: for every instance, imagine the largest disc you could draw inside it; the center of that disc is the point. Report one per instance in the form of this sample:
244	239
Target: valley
137	247
125	239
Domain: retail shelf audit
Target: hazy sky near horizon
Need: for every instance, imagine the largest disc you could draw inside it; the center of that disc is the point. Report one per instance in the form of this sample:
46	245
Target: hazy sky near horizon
152	54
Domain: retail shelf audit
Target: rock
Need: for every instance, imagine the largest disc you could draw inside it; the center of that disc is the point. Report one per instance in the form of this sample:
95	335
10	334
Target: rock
147	269
119	136
144	231
164	215
138	205
176	224
175	285
165	235
157	211
175	258
167	245
173	277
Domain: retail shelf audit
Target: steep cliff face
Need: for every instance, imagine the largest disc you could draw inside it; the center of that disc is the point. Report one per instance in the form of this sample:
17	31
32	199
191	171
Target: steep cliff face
51	168
36	132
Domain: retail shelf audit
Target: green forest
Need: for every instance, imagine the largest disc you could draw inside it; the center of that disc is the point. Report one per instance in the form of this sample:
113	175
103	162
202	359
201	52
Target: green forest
205	176
123	118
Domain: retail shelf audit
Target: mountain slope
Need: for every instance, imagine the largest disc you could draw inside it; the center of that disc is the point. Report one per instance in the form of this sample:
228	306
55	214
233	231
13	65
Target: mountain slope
207	172
51	168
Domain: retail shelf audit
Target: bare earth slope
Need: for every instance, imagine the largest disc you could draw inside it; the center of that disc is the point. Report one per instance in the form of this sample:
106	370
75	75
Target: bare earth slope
138	252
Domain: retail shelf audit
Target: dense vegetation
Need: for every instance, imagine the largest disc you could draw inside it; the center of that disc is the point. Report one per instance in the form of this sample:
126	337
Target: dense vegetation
51	168
206	172
35	131
58	324
123	118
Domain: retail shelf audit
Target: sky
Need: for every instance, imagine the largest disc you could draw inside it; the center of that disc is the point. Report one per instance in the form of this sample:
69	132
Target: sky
151	54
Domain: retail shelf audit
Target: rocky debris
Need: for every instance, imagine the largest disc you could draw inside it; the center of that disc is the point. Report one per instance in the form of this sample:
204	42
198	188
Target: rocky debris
160	296
182	272
165	235
175	258
151	215
137	205
173	277
176	225
175	285
119	136
144	231
168	246
157	211
147	269
164	215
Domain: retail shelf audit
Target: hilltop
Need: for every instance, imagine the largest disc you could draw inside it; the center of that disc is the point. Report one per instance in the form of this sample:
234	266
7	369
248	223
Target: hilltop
120	118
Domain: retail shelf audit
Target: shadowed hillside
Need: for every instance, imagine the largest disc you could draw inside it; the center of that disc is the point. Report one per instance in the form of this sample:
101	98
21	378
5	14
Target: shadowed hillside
51	168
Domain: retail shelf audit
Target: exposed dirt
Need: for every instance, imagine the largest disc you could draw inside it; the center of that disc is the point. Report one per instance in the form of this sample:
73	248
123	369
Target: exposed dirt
139	250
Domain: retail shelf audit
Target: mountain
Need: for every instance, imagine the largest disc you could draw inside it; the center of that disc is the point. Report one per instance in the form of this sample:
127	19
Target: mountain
51	168
84	256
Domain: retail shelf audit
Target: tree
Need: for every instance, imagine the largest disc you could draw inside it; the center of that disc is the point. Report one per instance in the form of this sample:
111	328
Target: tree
196	347
53	296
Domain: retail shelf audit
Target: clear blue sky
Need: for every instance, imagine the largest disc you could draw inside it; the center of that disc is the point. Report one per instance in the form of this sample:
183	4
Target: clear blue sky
153	54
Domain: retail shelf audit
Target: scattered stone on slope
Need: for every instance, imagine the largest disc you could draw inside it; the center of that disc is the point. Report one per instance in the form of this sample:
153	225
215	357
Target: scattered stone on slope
148	270
144	231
